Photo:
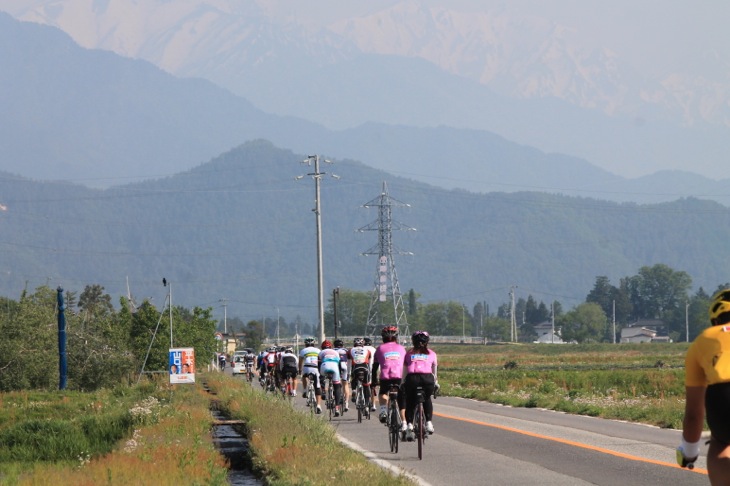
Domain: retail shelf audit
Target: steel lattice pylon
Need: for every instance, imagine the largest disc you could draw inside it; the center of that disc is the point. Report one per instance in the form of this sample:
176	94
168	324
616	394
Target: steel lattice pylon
386	286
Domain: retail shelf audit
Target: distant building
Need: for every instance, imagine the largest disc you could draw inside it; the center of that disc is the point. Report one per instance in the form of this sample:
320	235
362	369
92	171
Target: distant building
637	335
544	331
645	331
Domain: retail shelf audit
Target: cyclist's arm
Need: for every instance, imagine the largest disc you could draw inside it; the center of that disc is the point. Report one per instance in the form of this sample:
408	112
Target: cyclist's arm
376	365
694	413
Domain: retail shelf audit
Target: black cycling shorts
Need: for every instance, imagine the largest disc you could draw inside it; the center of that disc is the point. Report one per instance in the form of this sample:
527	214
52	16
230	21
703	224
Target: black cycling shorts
717	404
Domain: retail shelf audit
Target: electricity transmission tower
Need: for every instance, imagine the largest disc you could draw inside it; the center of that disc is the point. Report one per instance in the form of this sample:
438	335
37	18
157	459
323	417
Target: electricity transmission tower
386	286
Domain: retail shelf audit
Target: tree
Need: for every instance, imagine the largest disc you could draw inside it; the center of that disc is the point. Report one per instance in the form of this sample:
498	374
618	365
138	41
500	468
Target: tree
254	334
610	297
412	303
352	312
585	323
657	290
93	300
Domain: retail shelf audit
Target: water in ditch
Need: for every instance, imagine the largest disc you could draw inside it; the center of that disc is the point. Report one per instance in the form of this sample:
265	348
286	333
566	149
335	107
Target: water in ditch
234	446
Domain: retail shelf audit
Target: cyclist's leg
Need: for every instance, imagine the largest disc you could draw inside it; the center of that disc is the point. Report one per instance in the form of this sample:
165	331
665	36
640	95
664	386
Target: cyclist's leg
718	462
294	380
383	391
428	383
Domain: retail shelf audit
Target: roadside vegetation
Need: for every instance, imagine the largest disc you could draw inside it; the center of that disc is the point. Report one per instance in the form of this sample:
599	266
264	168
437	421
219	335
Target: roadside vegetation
284	441
153	433
634	382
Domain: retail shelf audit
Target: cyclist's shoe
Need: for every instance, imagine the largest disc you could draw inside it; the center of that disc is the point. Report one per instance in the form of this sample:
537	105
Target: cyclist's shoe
372	408
293	393
319	409
429	427
337	411
383	417
354	399
410	435
304	395
403	427
347	407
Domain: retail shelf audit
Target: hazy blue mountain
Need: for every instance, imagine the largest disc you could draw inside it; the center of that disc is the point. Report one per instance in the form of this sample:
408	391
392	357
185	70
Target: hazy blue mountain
615	84
239	227
101	120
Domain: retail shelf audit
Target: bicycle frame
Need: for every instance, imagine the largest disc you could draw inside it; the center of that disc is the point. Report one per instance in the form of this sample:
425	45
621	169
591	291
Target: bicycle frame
311	392
330	394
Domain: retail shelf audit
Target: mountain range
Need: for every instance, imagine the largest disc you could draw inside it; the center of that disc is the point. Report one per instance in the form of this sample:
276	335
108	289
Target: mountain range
115	171
240	229
540	80
97	118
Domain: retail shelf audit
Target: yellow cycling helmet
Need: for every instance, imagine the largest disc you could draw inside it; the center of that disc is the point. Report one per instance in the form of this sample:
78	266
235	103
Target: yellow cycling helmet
720	304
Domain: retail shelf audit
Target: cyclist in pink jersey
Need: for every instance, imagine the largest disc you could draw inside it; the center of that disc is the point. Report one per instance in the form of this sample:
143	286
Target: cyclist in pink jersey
421	366
389	357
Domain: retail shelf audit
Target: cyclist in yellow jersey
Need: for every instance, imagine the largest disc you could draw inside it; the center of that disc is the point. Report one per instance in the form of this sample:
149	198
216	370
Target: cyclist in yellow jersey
707	384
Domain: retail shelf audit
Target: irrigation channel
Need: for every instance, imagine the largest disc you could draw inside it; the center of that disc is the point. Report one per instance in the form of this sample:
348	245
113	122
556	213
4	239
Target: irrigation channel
234	447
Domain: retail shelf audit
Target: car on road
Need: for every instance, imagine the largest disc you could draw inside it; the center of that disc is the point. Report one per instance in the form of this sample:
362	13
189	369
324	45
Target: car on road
239	365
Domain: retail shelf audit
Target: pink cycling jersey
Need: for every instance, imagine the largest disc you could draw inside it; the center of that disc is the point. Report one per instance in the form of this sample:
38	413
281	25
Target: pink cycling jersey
390	357
420	362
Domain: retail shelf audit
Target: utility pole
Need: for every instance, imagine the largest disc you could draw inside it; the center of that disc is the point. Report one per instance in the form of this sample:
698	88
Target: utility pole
552	322
167	284
335	296
614	321
317	176
513	318
225	317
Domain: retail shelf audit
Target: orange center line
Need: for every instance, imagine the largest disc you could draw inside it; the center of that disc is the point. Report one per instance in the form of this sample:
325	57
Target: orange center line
569	442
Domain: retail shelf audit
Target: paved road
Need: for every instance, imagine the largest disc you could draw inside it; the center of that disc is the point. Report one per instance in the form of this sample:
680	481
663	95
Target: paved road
482	443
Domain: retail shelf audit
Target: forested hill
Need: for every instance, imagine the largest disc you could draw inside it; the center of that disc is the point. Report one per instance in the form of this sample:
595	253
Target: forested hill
240	229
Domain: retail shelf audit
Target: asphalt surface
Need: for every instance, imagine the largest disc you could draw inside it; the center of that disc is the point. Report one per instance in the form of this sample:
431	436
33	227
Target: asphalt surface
482	443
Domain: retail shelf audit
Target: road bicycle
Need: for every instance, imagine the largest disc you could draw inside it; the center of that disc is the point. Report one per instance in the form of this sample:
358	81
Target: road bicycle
419	421
269	385
311	393
393	420
249	372
287	388
329	394
363	407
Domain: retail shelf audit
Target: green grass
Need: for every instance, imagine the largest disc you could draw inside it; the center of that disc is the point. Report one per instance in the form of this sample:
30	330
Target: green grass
635	382
285	441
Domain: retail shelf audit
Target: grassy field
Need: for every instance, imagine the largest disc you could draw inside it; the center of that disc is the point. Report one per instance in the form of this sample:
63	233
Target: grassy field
635	382
147	434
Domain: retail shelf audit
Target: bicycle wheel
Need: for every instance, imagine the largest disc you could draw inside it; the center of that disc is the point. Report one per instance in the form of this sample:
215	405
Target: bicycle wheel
393	430
419	424
311	399
358	402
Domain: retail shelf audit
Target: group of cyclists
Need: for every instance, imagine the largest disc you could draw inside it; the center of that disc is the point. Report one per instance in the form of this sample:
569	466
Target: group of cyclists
387	365
279	364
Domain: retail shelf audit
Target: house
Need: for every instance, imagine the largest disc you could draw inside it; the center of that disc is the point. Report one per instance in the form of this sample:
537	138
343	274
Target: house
637	335
545	334
644	331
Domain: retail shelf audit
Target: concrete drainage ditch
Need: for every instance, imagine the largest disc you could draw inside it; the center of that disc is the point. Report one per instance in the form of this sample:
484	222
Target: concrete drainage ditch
233	445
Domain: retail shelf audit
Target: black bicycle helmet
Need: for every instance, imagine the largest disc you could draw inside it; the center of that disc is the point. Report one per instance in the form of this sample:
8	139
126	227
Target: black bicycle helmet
420	338
357	342
368	341
339	343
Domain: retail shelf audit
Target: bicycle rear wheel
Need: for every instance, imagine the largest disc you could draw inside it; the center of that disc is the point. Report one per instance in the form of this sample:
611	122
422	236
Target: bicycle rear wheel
419	424
393	430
